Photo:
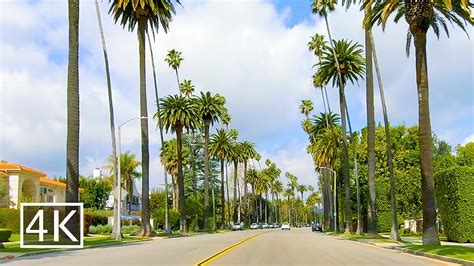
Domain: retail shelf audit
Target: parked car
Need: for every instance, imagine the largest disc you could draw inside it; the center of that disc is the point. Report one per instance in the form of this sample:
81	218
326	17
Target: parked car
276	225
254	226
285	226
264	225
316	227
270	226
237	226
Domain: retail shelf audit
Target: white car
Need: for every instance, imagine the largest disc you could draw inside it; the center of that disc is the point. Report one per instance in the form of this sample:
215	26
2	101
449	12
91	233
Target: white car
237	226
264	225
254	226
285	226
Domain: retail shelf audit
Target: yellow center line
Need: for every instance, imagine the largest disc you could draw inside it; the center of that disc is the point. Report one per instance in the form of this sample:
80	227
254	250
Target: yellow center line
221	253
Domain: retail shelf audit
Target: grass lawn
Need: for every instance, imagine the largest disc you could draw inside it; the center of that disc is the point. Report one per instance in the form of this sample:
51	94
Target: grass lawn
354	236
88	241
465	253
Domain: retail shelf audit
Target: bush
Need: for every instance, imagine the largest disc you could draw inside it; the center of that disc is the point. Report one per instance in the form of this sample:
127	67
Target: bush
454	189
100	229
5	234
87	223
159	218
10	219
130	230
99	217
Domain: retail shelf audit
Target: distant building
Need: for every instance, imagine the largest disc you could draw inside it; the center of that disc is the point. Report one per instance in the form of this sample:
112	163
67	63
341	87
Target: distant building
28	184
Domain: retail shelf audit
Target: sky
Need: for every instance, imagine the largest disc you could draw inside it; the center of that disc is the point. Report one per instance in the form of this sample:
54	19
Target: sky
252	52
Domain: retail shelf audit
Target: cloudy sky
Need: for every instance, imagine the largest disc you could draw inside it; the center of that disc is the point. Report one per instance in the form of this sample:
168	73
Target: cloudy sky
252	52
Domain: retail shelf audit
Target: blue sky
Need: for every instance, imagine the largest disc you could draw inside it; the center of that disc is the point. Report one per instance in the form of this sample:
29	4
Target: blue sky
252	52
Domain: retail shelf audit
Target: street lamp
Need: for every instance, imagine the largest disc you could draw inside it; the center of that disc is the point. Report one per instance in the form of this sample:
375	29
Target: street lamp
118	219
334	172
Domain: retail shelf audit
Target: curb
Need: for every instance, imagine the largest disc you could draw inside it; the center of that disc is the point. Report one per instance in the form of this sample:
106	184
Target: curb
35	253
414	252
434	256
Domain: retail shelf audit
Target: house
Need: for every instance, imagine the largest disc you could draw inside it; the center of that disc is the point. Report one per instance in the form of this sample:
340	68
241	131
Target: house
28	184
134	206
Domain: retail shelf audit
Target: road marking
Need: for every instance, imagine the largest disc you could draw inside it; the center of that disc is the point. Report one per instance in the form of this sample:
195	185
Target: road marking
221	253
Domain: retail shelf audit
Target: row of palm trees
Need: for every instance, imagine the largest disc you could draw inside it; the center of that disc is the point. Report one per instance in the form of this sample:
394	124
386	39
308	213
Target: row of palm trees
342	61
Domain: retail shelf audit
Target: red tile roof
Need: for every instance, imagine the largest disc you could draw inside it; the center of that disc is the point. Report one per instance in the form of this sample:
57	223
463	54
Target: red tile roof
18	167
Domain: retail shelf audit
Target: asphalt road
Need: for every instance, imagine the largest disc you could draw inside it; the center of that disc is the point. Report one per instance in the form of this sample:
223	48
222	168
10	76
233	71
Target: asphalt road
266	247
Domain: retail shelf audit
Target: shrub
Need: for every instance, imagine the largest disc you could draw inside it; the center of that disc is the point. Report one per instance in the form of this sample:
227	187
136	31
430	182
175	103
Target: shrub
455	197
98	216
130	230
159	218
5	234
10	218
87	223
100	229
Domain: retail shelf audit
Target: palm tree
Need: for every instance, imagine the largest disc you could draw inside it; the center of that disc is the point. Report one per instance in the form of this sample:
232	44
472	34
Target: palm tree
248	152
306	107
348	66
128	172
210	108
277	188
169	159
111	108
420	16
72	138
150	13
236	159
302	189
178	112
220	146
186	88
173	58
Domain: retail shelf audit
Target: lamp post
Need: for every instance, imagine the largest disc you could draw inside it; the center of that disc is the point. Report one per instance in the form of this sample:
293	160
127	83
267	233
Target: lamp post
334	172
118	219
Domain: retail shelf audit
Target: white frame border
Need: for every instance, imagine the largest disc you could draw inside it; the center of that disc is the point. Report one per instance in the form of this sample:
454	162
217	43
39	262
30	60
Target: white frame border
55	204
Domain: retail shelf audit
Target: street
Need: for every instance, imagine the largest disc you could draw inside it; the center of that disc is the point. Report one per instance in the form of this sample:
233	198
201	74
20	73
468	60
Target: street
298	246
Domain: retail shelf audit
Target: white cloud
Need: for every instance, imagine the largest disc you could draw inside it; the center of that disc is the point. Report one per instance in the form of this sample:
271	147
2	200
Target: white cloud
468	139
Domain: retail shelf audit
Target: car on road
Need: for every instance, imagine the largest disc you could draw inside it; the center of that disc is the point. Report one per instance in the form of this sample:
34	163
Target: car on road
254	226
264	226
237	226
285	226
316	227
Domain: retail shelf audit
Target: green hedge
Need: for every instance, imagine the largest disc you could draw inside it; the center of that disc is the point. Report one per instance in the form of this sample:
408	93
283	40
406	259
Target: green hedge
99	216
5	234
10	219
100	229
454	188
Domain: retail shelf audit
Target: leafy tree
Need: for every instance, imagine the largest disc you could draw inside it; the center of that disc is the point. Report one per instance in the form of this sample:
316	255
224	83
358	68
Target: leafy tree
306	107
421	16
186	88
145	14
465	154
95	193
173	58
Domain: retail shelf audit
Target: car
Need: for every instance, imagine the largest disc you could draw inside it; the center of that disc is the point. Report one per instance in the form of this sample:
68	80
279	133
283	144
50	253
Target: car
316	227
254	226
237	226
285	226
271	226
264	226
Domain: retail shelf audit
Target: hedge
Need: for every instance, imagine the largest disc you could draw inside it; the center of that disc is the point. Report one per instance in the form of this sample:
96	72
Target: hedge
454	190
10	219
5	234
98	216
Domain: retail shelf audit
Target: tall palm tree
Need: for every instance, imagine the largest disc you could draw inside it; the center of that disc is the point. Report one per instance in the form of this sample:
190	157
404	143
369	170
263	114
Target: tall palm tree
346	65
420	16
248	152
128	172
306	107
167	228
302	189
174	59
111	108
277	188
236	159
186	88
221	146
210	108
72	138
146	14
178	112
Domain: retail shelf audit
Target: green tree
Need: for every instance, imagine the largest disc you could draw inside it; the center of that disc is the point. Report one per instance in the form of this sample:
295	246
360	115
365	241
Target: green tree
420	16
306	107
173	58
72	135
95	192
178	112
186	88
145	14
210	108
248	152
221	146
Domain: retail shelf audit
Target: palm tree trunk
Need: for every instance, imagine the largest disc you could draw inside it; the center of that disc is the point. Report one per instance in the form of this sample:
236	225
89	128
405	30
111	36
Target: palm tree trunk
145	225
206	174
228	194
235	191
342	103
182	204
72	138
160	126
394	228
222	195
430	229
177	79
372	212
111	110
